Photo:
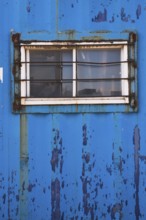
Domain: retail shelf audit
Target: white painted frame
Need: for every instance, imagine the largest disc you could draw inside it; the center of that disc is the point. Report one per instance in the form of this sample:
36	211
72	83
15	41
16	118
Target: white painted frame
25	73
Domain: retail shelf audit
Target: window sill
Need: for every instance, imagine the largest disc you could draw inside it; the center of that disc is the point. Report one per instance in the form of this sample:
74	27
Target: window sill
74	101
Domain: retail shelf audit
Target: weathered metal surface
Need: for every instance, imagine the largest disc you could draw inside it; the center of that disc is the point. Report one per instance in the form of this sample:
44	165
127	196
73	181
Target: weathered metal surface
72	166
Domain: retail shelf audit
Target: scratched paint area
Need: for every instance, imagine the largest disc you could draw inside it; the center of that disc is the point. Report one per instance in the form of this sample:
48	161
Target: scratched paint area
9	202
80	173
100	14
140	169
105	12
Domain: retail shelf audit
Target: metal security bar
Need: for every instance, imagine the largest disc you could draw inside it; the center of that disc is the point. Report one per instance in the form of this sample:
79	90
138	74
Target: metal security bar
74	80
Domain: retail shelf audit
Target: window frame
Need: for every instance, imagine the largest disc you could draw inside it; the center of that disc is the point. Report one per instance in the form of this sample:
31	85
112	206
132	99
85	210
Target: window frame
25	73
18	40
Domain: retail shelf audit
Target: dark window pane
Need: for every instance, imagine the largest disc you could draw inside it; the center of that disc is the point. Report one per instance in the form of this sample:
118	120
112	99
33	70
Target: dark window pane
67	89
48	69
99	88
45	89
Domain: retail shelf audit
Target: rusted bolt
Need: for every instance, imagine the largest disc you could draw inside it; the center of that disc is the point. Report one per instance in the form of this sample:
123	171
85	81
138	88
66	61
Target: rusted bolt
133	37
16	38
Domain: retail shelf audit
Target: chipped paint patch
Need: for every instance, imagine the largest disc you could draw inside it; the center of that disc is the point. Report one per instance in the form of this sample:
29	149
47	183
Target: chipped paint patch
87	166
57	157
57	183
28	8
124	16
85	138
100	17
55	199
4	198
30	187
138	11
117	208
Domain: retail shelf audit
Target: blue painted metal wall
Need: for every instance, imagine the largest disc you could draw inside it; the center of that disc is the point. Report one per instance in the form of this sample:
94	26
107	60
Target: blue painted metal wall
72	166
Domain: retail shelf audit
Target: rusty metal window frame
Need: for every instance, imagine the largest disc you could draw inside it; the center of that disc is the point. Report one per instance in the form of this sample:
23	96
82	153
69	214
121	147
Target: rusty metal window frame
21	69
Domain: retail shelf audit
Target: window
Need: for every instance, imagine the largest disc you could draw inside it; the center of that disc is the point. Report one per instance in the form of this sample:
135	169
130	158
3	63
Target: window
57	73
70	73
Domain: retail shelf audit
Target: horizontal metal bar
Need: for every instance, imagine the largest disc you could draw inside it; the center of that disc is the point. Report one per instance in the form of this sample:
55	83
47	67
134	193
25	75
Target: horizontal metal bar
71	80
77	62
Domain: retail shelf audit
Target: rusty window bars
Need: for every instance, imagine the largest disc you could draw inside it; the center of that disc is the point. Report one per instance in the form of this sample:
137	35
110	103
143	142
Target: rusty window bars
74	73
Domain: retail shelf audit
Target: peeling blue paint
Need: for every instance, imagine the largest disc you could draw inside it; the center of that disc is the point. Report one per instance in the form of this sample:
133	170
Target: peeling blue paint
55	199
124	17
117	208
28	8
138	11
30	187
100	17
85	138
55	158
4	198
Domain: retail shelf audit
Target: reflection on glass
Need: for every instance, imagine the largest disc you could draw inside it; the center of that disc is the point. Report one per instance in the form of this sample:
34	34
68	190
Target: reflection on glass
50	72
96	71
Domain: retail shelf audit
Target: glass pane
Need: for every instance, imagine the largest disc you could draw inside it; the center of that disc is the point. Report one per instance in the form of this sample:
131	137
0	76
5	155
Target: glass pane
67	89
67	64
48	69
94	64
98	64
67	73
99	88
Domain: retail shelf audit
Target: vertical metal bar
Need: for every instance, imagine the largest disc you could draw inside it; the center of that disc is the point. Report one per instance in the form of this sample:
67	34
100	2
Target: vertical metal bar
23	73
23	168
124	70
28	73
61	74
74	73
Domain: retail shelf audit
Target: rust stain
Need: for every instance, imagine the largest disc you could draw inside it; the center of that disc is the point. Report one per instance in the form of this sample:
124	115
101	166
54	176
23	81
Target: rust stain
69	34
16	38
